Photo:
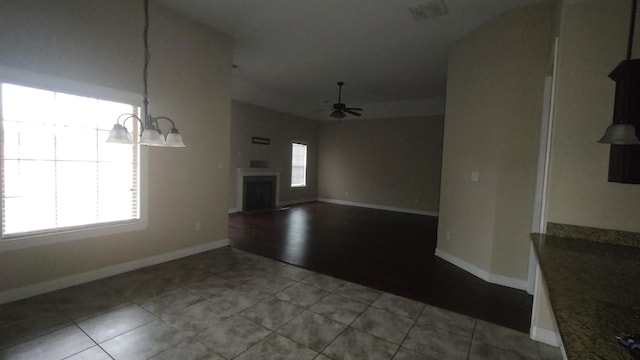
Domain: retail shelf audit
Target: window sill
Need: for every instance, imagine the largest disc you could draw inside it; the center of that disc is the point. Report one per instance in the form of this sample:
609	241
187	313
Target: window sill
21	241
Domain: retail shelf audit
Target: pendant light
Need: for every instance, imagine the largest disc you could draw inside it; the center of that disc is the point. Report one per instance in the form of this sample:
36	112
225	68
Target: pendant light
626	75
151	135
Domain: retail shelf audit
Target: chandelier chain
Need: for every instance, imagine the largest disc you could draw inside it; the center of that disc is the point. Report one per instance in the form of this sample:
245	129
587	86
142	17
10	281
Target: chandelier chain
632	26
147	57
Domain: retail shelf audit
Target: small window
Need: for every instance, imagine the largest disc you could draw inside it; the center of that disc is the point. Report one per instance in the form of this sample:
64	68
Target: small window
298	165
58	172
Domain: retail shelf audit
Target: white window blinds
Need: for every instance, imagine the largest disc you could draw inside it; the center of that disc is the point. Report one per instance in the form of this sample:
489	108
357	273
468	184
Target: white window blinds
57	170
298	165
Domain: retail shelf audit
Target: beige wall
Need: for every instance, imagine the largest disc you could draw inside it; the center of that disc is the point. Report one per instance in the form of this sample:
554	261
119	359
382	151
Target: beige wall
99	42
592	43
383	162
282	129
492	125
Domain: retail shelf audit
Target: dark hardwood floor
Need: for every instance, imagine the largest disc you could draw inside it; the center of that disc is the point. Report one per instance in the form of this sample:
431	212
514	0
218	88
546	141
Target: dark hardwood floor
386	250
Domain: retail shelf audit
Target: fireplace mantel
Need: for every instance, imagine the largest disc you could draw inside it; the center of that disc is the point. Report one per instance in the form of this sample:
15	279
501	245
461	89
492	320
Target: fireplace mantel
244	172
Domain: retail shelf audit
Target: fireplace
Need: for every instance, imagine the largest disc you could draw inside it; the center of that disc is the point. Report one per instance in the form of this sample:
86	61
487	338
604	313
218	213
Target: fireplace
257	189
259	193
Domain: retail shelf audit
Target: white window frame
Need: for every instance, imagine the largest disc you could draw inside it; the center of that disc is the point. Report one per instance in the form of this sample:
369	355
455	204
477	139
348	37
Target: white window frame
52	83
306	164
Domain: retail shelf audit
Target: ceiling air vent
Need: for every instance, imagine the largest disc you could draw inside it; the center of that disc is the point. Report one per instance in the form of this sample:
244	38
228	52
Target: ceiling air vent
428	10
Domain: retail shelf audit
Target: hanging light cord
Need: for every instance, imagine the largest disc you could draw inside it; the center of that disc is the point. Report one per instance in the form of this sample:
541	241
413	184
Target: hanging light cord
632	26
147	56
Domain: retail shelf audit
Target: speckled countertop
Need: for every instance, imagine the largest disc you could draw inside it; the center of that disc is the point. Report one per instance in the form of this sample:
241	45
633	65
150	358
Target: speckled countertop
594	290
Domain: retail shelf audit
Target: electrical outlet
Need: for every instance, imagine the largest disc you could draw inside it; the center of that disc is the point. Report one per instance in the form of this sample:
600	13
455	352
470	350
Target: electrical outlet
197	226
448	235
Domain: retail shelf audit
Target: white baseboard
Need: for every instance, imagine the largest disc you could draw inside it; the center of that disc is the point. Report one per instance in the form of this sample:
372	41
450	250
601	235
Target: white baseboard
76	279
546	336
379	207
507	281
515	283
298	201
281	204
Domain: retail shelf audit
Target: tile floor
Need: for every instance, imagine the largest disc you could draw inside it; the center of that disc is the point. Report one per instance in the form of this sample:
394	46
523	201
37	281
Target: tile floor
229	304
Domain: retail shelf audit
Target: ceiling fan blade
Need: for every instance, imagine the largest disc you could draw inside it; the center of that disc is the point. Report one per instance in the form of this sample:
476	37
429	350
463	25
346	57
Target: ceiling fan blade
354	109
350	111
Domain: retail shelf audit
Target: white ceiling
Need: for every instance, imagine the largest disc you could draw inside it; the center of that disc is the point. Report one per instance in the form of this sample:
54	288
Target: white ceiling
291	53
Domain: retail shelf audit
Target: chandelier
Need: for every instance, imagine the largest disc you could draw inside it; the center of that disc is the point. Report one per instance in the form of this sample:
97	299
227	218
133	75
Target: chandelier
151	134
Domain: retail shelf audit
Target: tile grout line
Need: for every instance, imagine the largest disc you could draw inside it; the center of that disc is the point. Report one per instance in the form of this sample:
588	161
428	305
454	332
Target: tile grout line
272	332
308	308
305	308
424	306
92	339
72	321
473	335
347	325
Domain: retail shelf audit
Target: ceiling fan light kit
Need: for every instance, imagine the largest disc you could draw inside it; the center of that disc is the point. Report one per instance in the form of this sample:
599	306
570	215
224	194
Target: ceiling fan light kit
337	114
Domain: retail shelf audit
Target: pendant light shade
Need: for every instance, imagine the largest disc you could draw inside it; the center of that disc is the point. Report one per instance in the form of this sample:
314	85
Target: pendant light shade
152	137
620	134
174	139
119	135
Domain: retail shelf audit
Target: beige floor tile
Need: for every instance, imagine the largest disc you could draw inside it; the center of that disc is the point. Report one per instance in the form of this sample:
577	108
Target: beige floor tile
232	336
272	313
56	345
398	305
437	343
312	330
355	344
116	322
278	347
383	324
339	308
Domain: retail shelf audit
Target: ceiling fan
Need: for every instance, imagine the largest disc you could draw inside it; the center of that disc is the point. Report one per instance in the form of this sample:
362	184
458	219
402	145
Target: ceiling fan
340	110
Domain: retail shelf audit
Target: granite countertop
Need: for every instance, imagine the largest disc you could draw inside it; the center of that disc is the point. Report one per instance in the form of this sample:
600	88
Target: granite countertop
594	290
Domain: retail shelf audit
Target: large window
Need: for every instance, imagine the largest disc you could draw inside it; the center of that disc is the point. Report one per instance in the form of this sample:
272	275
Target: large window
58	173
298	165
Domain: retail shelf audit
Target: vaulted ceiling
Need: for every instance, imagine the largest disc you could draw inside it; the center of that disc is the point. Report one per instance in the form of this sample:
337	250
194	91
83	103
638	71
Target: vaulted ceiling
290	53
